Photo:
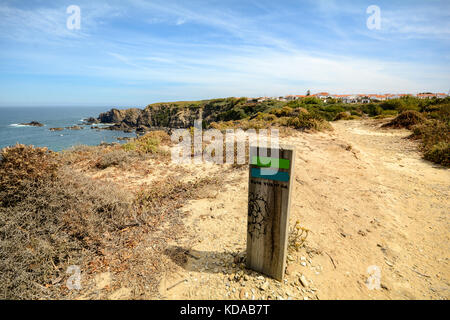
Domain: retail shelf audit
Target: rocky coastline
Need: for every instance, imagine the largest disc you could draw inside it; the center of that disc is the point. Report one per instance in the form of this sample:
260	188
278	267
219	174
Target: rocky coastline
174	115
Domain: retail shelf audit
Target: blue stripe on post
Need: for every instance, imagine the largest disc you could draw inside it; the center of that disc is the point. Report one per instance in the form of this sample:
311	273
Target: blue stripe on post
279	176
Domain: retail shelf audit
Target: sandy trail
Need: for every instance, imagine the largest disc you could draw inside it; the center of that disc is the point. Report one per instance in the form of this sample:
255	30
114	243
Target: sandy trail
368	199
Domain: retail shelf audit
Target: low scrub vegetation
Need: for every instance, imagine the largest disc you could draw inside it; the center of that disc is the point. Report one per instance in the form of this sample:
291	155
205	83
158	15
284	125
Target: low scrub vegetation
431	127
50	217
306	121
53	216
428	118
99	157
149	143
434	135
407	119
239	112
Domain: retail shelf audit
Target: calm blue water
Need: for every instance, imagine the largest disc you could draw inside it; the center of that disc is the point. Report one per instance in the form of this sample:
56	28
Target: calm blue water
52	117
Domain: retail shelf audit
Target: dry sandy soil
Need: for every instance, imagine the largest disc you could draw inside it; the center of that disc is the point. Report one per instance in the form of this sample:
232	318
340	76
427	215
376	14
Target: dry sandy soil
368	199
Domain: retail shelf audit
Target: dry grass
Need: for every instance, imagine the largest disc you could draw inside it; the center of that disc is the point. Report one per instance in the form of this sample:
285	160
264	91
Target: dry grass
117	158
56	217
431	127
297	236
52	216
24	166
99	157
149	143
407	119
153	145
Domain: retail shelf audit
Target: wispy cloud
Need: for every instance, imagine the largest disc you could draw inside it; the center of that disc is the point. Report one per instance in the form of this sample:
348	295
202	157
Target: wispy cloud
20	24
421	22
42	24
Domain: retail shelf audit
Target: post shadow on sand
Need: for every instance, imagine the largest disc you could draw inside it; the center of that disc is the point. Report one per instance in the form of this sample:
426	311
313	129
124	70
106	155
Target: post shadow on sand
210	261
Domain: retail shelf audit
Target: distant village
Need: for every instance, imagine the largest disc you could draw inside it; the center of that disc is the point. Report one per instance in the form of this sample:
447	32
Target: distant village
351	98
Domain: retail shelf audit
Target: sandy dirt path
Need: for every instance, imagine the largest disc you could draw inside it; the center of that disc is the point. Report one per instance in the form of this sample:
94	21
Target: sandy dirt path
369	200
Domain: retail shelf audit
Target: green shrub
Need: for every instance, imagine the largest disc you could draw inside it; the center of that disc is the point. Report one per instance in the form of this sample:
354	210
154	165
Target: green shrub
435	138
389	112
312	100
439	153
283	112
372	109
308	122
266	116
439	112
343	116
237	113
149	143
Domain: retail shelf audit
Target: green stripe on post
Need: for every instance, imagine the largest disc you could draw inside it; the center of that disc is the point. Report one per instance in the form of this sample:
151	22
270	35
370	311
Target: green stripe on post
267	162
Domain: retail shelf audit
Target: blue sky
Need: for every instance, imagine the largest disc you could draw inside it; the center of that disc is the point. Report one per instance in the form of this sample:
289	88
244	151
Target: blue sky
136	52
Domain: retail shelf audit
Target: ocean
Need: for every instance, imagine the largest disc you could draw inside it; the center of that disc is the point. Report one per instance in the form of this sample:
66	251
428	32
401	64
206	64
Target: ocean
11	132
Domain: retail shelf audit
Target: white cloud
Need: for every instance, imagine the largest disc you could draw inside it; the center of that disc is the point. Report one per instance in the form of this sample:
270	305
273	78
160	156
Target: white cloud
274	73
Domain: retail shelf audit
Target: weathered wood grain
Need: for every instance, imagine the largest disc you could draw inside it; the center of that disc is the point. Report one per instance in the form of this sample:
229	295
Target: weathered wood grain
268	215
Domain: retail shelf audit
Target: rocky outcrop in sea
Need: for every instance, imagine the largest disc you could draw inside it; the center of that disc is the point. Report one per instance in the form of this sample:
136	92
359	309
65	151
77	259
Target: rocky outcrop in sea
32	124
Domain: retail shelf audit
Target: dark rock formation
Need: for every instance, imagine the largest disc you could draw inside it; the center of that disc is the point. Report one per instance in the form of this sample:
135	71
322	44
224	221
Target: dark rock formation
91	120
56	129
74	128
33	124
128	116
124	138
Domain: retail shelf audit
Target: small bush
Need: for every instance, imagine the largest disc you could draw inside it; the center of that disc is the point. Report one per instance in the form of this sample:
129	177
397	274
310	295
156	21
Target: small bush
283	112
440	112
390	113
439	153
297	236
406	119
343	116
254	124
149	143
435	138
372	109
236	113
266	116
308	122
117	157
21	166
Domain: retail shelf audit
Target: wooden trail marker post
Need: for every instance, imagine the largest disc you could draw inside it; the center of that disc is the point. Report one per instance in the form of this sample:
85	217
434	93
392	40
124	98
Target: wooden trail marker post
270	184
